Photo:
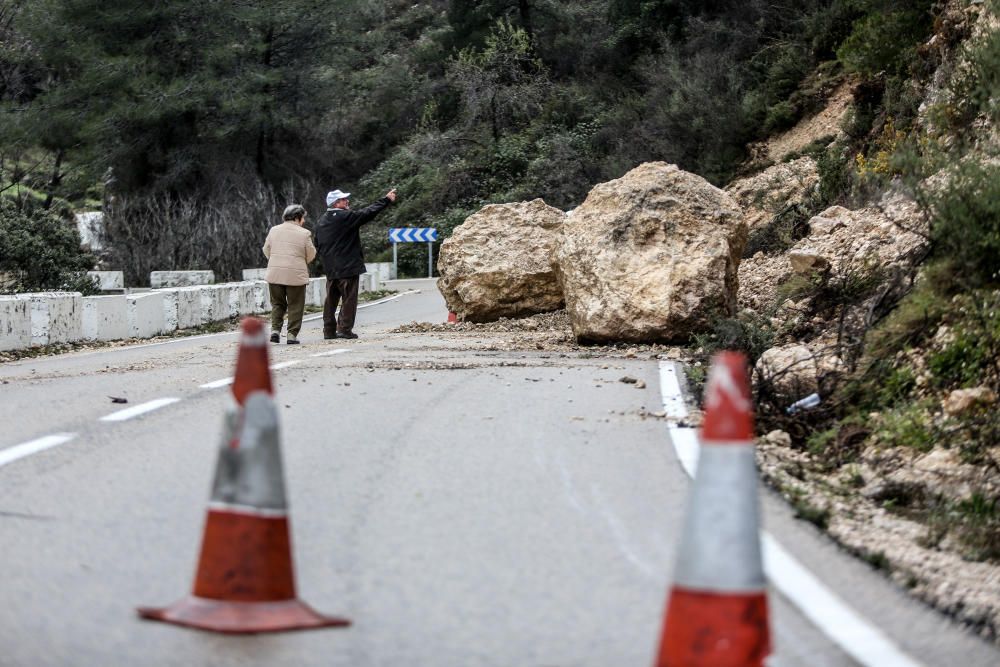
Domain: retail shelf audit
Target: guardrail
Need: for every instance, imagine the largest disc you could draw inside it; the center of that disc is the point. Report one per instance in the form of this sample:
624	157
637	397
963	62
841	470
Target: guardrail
43	318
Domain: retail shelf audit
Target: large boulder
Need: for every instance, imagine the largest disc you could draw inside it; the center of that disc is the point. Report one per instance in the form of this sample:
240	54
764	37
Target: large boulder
497	263
775	190
651	256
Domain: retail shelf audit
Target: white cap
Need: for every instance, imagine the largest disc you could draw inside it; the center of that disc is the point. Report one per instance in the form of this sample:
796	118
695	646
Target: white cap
332	197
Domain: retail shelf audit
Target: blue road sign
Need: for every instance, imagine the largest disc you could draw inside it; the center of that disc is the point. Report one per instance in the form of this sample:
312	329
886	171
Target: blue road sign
413	234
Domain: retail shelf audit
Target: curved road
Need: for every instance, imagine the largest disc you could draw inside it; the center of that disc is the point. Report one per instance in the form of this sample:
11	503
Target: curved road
462	505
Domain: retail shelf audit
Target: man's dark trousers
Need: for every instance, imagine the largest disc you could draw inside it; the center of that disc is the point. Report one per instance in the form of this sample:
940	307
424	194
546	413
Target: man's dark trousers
345	290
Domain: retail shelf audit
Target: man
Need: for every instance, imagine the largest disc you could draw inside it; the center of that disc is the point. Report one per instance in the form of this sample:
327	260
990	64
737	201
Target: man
338	235
289	249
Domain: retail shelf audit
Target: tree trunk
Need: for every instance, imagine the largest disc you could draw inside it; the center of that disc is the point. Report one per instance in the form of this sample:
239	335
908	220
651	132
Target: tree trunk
260	157
524	10
55	180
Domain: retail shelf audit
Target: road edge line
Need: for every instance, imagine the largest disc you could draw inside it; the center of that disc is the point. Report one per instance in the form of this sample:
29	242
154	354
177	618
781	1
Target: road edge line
846	628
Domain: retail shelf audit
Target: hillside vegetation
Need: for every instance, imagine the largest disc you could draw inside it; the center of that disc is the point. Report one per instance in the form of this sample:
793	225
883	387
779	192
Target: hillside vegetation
212	115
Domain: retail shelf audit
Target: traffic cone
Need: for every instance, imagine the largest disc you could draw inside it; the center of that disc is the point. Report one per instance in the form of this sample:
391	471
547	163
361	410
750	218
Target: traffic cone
717	612
245	582
252	367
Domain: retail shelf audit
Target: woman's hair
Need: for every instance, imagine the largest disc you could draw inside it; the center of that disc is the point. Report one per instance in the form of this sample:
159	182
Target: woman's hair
293	212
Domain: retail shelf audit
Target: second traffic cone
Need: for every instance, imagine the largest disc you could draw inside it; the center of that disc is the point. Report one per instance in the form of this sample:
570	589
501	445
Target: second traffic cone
245	580
717	612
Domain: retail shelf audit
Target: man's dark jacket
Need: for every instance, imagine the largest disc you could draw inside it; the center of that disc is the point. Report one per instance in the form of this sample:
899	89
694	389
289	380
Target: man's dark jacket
338	239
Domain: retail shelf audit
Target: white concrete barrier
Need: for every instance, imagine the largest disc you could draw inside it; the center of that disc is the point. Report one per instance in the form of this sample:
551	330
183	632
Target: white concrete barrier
215	303
241	299
254	274
145	315
316	291
169	308
382	271
159	279
108	280
366	282
56	317
189	309
262	297
105	317
15	323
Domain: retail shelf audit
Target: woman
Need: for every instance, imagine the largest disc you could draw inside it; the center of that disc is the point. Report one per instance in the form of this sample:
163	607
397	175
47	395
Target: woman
289	249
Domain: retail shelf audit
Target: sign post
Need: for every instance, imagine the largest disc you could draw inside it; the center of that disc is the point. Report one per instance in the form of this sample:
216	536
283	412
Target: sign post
414	235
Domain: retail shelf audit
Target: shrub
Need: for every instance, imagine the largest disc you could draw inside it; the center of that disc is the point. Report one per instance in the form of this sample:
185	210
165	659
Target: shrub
965	222
40	250
886	39
879	160
975	521
751	333
781	233
907	426
959	363
780	117
835	174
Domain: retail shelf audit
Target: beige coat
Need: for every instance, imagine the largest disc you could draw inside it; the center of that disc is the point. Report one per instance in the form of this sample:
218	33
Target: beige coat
289	249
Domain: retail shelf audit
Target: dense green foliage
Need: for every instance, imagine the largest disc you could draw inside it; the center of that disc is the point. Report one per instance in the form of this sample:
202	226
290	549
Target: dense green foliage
217	108
40	250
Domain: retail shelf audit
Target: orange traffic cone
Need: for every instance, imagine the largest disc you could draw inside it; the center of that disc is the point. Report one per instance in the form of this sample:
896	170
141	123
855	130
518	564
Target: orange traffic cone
252	367
717	613
245	581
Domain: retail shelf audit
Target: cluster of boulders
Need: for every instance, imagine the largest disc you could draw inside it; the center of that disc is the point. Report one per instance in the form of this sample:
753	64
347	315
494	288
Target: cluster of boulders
660	255
649	257
655	256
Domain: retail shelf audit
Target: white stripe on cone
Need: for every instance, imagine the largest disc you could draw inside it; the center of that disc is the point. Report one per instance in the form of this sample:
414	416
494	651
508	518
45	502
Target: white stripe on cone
720	550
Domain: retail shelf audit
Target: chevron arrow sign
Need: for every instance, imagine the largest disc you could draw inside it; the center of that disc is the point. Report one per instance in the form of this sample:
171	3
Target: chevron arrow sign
413	234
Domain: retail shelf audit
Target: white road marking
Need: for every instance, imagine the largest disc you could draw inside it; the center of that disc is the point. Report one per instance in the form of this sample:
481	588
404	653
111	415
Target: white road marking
16	452
318	316
686	447
670	392
330	353
855	636
846	628
136	410
225	382
285	364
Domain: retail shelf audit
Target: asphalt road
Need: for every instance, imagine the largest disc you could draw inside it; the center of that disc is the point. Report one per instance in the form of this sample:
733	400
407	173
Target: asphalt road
462	505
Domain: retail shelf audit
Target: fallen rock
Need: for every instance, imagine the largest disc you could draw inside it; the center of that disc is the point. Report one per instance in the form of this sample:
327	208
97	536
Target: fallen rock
774	190
806	261
888	237
794	371
961	401
497	263
778	438
651	256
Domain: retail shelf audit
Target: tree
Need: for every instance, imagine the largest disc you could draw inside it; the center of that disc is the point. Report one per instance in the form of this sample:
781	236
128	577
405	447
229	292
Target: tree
503	83
40	250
